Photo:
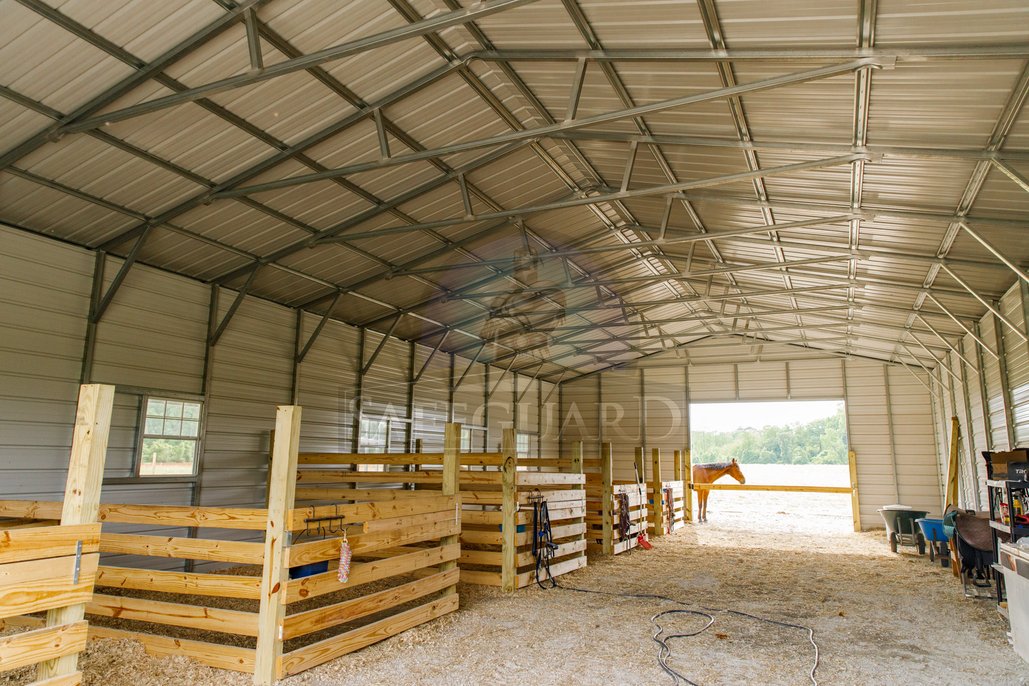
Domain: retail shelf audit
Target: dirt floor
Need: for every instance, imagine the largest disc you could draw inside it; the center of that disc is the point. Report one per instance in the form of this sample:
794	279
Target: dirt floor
878	618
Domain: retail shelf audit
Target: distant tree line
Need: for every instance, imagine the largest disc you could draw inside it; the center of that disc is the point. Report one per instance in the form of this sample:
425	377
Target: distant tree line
823	441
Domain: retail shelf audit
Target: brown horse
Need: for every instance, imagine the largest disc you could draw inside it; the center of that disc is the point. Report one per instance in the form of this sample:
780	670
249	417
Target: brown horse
709	473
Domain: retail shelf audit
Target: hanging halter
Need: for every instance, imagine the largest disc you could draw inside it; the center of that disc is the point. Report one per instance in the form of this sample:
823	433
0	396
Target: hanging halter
543	547
624	521
669	510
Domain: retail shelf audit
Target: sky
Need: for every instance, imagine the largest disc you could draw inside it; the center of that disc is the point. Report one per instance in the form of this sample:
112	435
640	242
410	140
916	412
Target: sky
730	416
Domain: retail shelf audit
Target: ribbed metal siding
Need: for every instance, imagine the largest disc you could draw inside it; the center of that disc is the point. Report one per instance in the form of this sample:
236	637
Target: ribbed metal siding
251	374
869	437
666	411
469	396
151	336
917	467
978	434
501	405
621	421
994	391
815	379
328	379
578	419
384	389
550	413
1016	353
431	395
44	301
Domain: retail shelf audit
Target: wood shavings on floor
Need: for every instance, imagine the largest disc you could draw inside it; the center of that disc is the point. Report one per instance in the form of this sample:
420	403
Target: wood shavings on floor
879	618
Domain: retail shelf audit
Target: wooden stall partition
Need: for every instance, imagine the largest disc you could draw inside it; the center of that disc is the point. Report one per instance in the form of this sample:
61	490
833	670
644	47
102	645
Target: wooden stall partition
667	499
52	568
609	533
493	489
687	484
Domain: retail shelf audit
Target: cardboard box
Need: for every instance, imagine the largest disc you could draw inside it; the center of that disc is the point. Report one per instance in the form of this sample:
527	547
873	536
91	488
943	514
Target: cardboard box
997	463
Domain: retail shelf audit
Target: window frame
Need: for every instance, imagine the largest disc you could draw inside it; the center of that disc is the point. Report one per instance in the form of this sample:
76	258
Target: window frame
142	435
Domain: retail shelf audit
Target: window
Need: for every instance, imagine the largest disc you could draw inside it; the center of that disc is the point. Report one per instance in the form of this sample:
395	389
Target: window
466	440
170	437
374	438
523	446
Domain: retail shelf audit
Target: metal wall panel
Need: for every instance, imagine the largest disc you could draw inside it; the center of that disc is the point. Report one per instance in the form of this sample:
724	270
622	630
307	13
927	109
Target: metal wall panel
44	302
327	384
815	379
431	397
252	369
579	416
979	436
621	417
868	421
1016	353
470	394
500	406
666	412
762	380
918	471
550	413
994	390
153	334
712	382
384	389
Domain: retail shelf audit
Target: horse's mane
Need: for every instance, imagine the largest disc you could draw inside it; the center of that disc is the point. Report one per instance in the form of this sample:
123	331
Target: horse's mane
714	465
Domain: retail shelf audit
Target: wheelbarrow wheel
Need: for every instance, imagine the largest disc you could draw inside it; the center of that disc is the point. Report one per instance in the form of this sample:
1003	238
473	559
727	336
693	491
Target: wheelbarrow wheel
893	542
932	553
920	542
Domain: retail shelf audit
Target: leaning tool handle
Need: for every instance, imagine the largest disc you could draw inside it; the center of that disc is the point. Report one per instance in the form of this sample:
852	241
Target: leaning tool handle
641	539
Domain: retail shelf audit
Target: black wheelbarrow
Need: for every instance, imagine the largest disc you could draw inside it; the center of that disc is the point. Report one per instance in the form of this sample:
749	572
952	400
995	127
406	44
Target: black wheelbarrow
901	527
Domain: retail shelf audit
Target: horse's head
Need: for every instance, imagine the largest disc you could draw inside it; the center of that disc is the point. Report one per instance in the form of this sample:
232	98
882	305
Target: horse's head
735	471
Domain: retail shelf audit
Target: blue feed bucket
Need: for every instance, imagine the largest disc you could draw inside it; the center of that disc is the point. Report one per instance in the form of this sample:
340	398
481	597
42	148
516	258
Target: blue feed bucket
309	569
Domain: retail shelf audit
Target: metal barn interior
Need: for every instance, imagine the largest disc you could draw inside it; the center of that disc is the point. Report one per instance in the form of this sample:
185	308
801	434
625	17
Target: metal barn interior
253	203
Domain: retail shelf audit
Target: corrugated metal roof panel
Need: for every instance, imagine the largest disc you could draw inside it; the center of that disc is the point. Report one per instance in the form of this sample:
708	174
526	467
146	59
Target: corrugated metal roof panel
187	255
909	22
658	23
114	175
954	104
144	29
18	123
51	212
64	75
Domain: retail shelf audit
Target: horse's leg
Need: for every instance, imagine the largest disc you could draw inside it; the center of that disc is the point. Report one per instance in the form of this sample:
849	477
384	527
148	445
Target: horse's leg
702	515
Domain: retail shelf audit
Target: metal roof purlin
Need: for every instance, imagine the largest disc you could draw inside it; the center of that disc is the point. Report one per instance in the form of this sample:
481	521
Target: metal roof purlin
144	71
480	9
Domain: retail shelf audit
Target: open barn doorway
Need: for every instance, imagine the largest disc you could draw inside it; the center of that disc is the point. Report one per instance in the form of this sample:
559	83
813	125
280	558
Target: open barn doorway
793	454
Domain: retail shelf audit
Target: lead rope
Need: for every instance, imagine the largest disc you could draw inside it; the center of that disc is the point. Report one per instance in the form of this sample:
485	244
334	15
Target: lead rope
669	511
624	521
543	547
664	652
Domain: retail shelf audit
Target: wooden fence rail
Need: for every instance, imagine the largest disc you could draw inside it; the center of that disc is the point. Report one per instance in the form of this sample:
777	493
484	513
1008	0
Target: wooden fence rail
496	500
52	568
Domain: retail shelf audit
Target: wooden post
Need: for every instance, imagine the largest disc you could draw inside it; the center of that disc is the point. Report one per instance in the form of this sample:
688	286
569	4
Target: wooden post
509	513
951	496
82	496
607	499
418	447
687	484
855	505
677	465
657	508
451	485
576	466
275	575
268	479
